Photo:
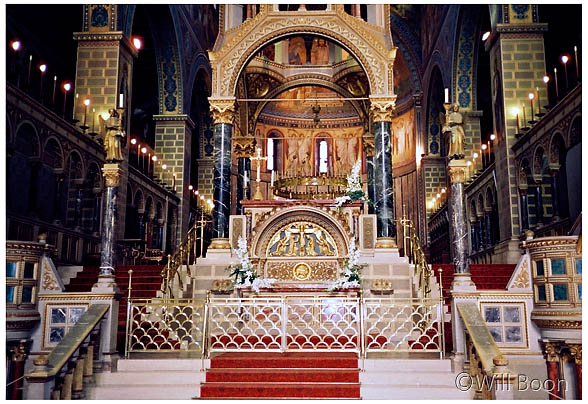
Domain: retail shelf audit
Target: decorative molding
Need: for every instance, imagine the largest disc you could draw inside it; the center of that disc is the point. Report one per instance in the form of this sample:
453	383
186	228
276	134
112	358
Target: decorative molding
522	280
243	147
48	280
559	324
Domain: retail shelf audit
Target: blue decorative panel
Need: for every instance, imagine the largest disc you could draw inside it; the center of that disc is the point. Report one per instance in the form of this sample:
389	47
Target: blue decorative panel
541	296
580	292
558	267
560	292
512	314
29	270
9	294
27	294
169	85
465	57
11	269
520	11
99	17
540	269
579	266
513	334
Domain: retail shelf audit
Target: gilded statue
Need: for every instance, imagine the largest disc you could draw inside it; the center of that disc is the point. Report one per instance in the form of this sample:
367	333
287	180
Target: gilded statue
292	239
282	244
113	135
454	126
310	250
324	248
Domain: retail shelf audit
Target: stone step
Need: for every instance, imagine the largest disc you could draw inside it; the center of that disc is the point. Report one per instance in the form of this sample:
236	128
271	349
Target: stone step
401	377
407	365
155	364
145	392
413	392
149	377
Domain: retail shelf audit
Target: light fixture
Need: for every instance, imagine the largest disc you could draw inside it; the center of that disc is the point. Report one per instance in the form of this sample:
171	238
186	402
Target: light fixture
190	187
87	102
438	196
137	42
484	147
105	116
564	59
197	192
43	67
546	79
164	166
202	197
443	191
144	150
133	141
154	158
66	86
492	136
15	45
531	96
475	155
486	35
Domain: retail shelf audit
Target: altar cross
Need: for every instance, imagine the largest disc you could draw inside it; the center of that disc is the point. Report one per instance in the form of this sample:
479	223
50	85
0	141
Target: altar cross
258	196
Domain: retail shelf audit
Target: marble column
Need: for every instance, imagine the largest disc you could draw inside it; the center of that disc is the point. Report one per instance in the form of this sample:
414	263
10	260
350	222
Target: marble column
381	110
524	208
96	216
458	227
489	235
244	147
223	112
576	353
473	236
552	360
112	173
368	147
538	203
555	190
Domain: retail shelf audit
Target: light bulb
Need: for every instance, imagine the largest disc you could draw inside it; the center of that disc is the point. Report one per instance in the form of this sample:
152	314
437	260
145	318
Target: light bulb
67	87
15	45
486	35
133	141
105	115
492	136
546	79
87	102
484	147
564	59
154	158
43	67
164	166
144	150
190	187
137	43
531	96
475	155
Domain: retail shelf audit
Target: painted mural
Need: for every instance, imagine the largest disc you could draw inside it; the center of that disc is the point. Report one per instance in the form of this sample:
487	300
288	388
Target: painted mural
403	138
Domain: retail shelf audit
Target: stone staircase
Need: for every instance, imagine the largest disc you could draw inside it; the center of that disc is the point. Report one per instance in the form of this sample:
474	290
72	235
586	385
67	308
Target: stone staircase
184	379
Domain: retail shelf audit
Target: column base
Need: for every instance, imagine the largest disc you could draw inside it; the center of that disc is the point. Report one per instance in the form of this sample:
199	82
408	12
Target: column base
386	242
463	283
219	244
105	284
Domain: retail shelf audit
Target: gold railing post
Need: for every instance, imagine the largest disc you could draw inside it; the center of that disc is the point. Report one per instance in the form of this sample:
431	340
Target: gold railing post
205	328
127	336
78	378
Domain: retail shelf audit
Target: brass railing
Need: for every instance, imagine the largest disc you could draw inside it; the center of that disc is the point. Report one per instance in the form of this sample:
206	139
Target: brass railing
71	362
185	251
416	255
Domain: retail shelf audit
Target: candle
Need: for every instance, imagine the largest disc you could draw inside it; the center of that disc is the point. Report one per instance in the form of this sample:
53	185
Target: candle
577	67
120	100
531	96
556	89
174	182
538	100
546	81
30	66
272	179
446	96
93	119
564	60
54	87
524	117
518	127
245	179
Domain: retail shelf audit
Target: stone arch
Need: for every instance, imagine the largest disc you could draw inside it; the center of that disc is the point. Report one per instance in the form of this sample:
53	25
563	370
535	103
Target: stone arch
241	44
26	139
557	148
575	131
262	235
489	198
480	204
539	161
473	211
53	153
409	46
139	200
75	165
434	108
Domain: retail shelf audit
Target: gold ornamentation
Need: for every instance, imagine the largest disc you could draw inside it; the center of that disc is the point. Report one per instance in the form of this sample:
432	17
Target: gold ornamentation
322	270
237	231
576	353
547	242
382	108
522	279
564	324
368	232
550	352
368	146
386	242
301	272
243	147
219	244
457	170
49	281
223	110
111	173
301	239
287	187
381	286
19	352
113	133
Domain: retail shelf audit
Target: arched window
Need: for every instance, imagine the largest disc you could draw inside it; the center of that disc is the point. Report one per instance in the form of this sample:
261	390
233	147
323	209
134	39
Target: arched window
274	151
323	157
270	154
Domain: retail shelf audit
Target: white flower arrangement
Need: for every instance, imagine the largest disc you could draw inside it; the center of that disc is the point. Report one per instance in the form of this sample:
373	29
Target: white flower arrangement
244	273
350	277
353	191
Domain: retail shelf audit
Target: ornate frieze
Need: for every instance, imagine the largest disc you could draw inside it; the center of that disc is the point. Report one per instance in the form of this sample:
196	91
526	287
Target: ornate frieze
302	271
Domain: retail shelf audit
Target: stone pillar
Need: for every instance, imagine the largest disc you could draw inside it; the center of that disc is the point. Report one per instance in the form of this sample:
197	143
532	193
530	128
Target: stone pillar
223	113
524	207
381	110
538	201
552	360
554	168
96	216
141	222
243	148
368	147
173	141
473	236
576	353
488	224
18	364
481	235
112	173
57	201
458	228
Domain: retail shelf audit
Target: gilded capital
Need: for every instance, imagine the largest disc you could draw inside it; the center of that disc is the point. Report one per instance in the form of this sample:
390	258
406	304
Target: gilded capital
243	146
550	352
382	108
457	170
223	110
576	353
368	146
111	173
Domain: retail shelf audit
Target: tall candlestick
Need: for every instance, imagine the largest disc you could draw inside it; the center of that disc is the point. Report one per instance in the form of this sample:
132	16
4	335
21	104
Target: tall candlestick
546	81
272	179
531	96
93	119
518	127
447	96
564	60
577	67
30	66
538	100
120	100
174	182
524	117
556	88
54	88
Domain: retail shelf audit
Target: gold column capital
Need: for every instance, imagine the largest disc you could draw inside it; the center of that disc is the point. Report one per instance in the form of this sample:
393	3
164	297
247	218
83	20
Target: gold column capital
457	170
111	173
576	353
550	352
382	108
243	146
223	110
369	146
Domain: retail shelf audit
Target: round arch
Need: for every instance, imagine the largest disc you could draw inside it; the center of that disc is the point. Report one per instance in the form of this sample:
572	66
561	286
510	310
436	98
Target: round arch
31	146
53	147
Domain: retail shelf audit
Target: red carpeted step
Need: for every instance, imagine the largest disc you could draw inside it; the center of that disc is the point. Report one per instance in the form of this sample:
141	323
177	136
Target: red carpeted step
283	375
285	360
294	390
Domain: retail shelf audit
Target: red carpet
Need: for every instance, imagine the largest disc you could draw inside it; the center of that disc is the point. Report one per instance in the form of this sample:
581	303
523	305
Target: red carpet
267	375
146	282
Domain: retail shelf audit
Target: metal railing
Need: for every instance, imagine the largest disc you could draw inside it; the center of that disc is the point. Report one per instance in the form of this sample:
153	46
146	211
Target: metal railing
287	323
184	253
416	255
